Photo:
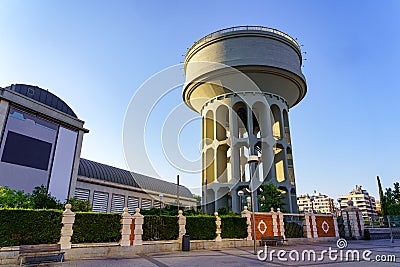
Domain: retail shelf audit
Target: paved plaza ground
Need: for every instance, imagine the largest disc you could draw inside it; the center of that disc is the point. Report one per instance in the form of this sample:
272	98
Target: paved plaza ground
245	257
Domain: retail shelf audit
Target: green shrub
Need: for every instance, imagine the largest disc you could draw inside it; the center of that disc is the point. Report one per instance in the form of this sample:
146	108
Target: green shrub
96	227
29	227
39	199
160	228
80	205
201	227
293	230
223	211
233	227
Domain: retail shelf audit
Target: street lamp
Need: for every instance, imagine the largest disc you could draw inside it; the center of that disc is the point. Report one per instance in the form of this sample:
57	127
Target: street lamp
161	196
253	159
240	194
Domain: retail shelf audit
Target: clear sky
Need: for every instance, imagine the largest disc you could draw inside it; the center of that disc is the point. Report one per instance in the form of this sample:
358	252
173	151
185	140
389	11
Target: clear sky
95	54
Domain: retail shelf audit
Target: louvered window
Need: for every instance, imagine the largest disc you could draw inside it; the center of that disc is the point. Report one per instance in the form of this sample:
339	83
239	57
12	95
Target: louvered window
146	203
156	204
82	194
118	203
133	203
100	201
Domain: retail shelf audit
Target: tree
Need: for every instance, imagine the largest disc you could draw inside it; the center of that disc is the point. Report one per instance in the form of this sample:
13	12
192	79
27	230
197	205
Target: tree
381	197
223	211
198	201
392	200
270	197
10	198
79	205
40	199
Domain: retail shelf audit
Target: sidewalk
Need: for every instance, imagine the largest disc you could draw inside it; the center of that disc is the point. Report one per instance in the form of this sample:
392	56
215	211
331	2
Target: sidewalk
245	257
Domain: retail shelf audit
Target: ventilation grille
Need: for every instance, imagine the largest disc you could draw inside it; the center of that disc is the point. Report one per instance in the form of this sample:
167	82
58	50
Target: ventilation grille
133	203
100	202
156	204
82	194
146	203
118	203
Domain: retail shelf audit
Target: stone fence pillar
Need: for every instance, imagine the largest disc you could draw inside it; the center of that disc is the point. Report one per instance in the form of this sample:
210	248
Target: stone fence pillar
314	226
281	223
138	232
68	220
335	223
218	223
353	221
307	225
126	222
246	213
182	224
274	222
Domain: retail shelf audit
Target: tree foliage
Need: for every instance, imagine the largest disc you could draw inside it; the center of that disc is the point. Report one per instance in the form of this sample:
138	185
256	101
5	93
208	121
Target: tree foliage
392	200
10	198
80	205
39	199
270	197
381	197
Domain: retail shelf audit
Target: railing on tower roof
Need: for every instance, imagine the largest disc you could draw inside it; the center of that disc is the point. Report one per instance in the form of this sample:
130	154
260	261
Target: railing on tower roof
247	28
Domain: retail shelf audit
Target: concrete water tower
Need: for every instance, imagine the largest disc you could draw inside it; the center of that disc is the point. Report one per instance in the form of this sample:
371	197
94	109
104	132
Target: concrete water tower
243	80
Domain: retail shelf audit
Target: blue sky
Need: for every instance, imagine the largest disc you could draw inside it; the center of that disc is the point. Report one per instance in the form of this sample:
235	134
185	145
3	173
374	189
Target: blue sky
95	54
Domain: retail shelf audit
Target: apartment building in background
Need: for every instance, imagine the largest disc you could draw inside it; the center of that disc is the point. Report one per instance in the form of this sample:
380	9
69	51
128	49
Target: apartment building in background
318	202
362	200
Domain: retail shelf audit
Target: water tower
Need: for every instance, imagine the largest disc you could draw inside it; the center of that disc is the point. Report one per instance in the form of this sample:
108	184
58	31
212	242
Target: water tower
243	80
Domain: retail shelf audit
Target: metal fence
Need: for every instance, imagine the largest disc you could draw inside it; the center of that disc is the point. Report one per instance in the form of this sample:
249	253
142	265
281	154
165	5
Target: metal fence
248	28
383	227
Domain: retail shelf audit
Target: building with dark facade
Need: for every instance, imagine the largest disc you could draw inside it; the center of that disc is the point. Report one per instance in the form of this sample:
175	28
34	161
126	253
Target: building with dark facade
41	140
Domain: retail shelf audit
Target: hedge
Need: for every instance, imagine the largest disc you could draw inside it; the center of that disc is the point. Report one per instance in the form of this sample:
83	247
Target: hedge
29	227
201	227
96	227
233	226
160	228
293	230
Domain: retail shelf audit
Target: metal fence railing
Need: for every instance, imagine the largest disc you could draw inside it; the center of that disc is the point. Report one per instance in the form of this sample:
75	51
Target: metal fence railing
248	28
383	227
